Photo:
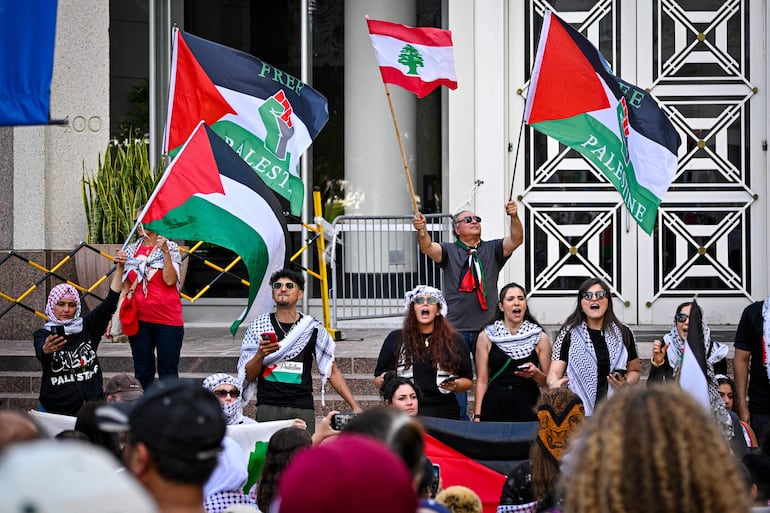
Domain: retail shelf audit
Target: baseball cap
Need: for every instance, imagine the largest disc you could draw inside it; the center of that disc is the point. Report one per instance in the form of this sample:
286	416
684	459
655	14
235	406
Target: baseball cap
346	475
67	476
176	417
126	385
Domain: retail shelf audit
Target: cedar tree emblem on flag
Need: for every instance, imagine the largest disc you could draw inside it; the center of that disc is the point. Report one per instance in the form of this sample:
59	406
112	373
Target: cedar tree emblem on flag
417	59
574	98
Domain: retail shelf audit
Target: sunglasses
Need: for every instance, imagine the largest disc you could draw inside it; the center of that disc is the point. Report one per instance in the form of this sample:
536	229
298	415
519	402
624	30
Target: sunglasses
289	285
681	317
599	294
425	299
469	219
235	394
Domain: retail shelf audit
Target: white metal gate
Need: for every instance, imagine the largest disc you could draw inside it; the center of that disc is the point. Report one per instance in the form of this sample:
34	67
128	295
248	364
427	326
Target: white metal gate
702	60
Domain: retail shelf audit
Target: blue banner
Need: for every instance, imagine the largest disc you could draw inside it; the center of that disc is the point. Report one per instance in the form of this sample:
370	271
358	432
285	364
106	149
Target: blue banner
27	34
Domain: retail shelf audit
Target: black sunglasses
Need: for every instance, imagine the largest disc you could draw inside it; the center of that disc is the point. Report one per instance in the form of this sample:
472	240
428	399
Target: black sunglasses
599	294
289	285
469	219
235	394
681	317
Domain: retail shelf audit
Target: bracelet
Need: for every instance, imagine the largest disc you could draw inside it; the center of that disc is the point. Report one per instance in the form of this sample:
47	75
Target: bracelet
652	362
476	415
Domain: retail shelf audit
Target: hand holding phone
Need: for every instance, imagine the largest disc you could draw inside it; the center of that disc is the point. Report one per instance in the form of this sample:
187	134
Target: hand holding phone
436	478
449	379
57	330
339	420
268	342
523	367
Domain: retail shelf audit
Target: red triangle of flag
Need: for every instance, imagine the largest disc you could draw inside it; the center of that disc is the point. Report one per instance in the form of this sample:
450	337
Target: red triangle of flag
195	97
567	84
193	171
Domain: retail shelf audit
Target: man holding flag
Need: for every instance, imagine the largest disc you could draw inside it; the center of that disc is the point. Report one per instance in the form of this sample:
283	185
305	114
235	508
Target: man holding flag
752	368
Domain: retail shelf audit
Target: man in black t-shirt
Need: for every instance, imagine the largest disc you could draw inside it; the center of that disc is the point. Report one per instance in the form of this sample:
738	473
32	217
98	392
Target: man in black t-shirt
752	387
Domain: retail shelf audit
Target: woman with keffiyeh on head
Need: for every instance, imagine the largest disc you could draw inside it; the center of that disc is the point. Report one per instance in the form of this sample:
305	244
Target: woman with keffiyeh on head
594	353
71	371
430	351
513	356
152	277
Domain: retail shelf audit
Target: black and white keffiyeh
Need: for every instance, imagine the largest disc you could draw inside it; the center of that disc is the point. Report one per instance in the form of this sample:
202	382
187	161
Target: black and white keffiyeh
519	345
675	349
291	345
582	365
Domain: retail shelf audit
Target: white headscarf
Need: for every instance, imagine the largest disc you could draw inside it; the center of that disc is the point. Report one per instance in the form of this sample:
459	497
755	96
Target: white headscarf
425	290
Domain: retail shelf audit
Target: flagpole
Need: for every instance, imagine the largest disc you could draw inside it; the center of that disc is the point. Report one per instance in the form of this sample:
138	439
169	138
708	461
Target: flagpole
516	158
401	147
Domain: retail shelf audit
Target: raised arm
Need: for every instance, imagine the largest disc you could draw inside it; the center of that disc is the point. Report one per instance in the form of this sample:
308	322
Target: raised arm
516	235
427	246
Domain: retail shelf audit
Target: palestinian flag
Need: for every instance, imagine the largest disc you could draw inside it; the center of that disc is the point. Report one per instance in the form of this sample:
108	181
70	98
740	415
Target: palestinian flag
417	59
209	193
693	374
266	115
618	127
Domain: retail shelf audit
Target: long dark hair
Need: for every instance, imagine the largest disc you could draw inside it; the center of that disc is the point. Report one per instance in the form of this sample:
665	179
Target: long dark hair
577	316
442	351
281	449
527	314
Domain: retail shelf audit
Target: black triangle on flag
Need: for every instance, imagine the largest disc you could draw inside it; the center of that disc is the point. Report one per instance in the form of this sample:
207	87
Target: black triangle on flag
695	337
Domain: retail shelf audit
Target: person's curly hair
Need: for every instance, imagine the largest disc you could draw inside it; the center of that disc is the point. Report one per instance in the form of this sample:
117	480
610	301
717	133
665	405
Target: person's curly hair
652	449
460	499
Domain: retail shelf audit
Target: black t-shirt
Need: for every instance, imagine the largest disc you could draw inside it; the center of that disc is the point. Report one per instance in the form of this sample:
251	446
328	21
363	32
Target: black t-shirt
288	383
433	403
748	337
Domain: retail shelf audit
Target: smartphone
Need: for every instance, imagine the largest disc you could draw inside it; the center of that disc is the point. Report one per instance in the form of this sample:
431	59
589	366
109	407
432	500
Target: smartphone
339	420
269	335
436	478
450	378
57	330
523	367
619	373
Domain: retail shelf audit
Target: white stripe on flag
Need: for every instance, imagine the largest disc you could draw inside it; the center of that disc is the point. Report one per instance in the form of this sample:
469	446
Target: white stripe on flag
438	61
693	380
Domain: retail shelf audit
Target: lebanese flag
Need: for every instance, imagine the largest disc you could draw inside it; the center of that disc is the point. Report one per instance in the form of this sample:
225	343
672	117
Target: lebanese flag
266	115
458	469
209	193
574	98
417	59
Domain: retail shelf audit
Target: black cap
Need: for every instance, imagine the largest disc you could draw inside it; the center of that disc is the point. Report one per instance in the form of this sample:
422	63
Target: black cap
175	417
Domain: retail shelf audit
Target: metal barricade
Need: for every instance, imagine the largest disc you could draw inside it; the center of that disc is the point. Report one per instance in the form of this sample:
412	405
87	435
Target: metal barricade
374	260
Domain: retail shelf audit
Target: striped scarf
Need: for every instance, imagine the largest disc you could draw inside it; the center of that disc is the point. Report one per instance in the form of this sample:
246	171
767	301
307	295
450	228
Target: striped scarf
473	279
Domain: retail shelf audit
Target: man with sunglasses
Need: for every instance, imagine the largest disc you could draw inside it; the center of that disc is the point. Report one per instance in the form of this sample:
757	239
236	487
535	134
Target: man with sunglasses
752	368
471	268
277	357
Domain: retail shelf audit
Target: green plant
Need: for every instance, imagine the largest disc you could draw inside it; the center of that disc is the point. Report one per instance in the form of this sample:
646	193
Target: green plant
123	181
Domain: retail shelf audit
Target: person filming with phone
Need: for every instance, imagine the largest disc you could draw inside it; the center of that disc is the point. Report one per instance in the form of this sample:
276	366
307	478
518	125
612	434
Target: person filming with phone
66	346
277	356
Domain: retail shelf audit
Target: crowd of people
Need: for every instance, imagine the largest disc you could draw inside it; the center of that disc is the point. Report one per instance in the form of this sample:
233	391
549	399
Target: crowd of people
603	440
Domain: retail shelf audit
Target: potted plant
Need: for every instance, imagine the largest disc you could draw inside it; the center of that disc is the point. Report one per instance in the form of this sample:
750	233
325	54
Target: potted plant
121	183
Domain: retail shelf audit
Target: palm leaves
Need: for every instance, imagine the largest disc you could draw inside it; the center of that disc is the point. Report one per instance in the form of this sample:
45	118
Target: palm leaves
123	181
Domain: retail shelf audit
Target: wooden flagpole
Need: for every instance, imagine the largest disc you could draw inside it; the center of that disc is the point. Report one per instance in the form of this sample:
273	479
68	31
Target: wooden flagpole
401	147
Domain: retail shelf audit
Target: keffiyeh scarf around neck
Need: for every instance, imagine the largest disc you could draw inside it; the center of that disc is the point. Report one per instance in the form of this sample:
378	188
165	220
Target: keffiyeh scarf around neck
291	345
145	268
519	345
473	279
583	367
64	290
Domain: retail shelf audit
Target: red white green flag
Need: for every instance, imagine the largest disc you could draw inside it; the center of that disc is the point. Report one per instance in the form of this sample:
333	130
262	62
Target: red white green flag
574	98
417	59
266	115
209	193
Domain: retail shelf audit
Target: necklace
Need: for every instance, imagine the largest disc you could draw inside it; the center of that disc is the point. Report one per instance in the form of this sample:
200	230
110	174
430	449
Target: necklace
281	325
427	340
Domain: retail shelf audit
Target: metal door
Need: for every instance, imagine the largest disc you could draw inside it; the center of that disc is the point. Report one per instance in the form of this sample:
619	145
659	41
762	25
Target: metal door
702	60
